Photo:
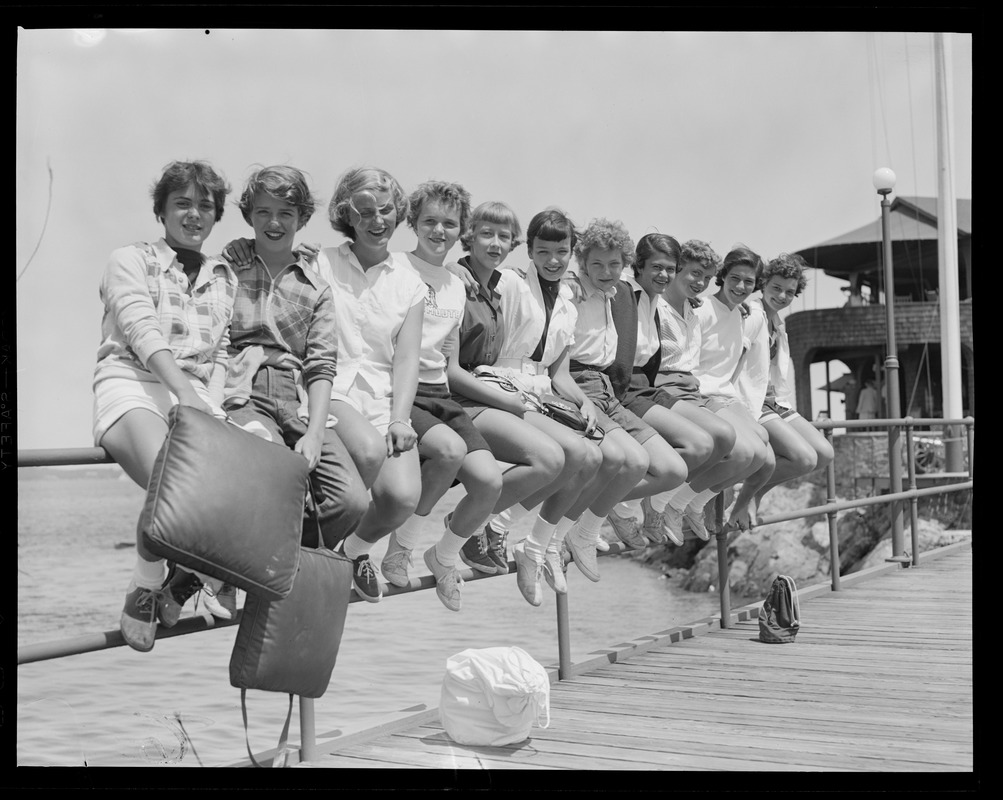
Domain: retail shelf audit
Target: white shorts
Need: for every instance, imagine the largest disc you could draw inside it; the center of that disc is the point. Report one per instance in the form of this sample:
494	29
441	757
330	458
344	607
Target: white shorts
376	411
114	397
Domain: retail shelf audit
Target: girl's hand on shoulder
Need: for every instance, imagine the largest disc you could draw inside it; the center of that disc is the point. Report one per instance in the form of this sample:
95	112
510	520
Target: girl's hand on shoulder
239	252
307	250
401	437
309	447
466	277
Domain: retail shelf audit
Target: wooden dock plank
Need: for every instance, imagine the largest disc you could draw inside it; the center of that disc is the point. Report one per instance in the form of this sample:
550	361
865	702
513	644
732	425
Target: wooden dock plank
879	680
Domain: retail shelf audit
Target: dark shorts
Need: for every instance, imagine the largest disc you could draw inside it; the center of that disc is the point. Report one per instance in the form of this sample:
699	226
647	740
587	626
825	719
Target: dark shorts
641	395
433	406
772	408
612	413
682	386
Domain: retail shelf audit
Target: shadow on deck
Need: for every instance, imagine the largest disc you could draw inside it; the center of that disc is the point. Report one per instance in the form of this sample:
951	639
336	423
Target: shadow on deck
879	680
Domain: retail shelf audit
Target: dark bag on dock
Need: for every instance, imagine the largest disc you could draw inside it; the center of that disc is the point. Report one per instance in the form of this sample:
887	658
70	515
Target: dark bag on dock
291	645
780	616
227	503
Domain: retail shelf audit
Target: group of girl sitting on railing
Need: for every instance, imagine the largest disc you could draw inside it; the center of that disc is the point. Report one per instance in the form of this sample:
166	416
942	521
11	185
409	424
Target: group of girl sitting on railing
568	395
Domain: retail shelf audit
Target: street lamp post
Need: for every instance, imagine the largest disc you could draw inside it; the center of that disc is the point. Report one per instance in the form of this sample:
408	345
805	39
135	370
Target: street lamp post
884	182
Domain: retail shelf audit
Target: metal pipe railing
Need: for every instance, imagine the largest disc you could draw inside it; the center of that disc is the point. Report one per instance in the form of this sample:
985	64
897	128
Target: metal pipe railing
308	743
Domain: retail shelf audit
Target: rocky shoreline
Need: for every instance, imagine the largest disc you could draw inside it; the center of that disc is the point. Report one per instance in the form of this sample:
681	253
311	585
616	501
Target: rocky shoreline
800	547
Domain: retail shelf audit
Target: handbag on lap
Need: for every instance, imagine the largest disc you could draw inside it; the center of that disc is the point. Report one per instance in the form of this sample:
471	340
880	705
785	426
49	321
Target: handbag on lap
227	503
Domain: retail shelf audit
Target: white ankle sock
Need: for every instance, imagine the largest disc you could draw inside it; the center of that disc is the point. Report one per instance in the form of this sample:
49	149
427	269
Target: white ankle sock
628	508
447	549
589	525
702	498
503	522
150	574
354	546
682	496
560	531
538	539
660	500
409	532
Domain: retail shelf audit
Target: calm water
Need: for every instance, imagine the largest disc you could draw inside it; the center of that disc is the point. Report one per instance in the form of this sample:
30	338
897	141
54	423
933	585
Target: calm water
175	706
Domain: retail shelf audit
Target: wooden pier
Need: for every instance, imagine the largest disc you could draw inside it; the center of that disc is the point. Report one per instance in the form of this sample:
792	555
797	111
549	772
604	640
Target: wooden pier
879	680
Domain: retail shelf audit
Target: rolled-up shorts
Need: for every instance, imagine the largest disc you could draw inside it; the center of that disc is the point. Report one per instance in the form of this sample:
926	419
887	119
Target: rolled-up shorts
772	409
682	386
114	397
611	412
433	406
641	396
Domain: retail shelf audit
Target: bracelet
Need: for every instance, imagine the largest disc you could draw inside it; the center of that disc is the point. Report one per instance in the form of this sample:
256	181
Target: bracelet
406	422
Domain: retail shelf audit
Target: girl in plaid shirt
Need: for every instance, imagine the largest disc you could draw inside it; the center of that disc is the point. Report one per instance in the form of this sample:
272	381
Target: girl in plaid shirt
167	309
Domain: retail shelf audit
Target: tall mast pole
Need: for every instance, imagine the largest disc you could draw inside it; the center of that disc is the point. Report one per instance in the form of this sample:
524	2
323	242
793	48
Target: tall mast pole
947	260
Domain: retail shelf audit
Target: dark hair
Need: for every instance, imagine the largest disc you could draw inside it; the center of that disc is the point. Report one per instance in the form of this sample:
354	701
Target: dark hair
739	255
551	225
786	265
652	243
283	183
180	175
448	194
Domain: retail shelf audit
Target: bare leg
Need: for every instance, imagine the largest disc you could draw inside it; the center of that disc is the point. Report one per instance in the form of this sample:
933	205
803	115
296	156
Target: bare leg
537	460
666	470
395	492
582	460
483	481
365	444
721	432
134	441
743	513
444	453
624	464
692	443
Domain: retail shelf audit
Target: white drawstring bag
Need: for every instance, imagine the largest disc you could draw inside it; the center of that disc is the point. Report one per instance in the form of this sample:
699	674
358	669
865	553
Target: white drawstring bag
493	696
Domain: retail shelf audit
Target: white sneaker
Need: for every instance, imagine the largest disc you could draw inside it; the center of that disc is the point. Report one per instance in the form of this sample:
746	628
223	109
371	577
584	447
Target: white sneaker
627	530
221	602
554	569
396	562
447	580
695	517
527	575
602	545
584	554
672	524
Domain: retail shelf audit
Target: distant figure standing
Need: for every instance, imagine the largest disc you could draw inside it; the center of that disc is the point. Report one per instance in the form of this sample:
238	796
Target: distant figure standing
867	401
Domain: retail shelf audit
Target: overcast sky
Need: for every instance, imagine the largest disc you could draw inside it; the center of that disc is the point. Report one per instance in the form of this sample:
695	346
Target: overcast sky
769	139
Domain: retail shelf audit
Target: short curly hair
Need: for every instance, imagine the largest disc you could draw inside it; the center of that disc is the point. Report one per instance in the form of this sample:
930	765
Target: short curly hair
448	194
357	180
652	243
699	252
604	234
496	212
180	175
739	255
785	265
283	183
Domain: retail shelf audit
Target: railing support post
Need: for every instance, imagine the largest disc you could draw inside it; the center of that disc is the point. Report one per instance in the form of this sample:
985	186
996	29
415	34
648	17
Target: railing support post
723	568
563	638
308	730
830	488
914	502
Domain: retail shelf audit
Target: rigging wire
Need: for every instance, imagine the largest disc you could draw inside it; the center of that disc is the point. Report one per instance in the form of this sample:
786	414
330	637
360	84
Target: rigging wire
45	222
